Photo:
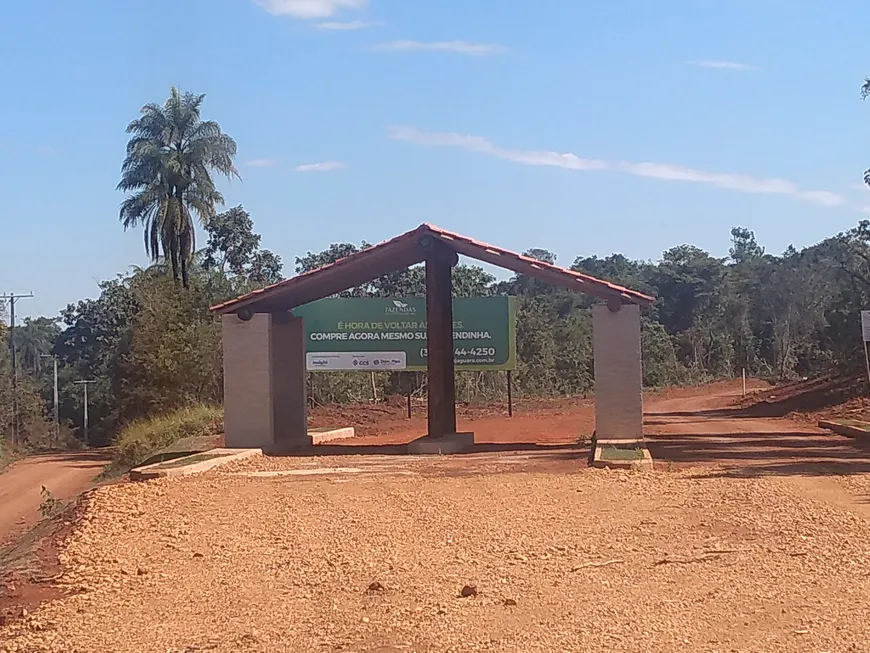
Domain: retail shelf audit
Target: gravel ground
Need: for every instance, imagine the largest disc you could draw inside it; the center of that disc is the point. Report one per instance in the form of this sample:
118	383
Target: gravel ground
588	561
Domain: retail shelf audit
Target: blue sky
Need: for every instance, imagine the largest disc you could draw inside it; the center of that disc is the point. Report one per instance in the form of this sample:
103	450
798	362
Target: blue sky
581	127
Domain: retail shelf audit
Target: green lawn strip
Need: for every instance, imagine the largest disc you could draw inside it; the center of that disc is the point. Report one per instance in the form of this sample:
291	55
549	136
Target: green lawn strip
189	460
609	452
854	423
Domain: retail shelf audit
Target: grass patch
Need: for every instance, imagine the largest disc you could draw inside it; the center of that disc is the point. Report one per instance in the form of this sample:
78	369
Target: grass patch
619	453
7	456
190	460
854	423
140	440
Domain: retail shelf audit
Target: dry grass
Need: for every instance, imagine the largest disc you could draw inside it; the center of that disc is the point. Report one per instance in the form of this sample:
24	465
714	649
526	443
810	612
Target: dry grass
7	456
143	438
589	561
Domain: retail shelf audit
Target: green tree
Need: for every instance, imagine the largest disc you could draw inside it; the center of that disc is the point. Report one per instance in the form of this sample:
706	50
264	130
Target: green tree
168	173
233	249
468	280
34	339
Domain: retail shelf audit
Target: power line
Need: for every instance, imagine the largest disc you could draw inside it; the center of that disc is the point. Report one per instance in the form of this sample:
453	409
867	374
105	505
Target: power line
12	298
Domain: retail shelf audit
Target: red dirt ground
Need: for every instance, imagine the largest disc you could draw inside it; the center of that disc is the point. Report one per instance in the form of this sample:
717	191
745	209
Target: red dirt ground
709	427
559	421
28	567
812	400
65	475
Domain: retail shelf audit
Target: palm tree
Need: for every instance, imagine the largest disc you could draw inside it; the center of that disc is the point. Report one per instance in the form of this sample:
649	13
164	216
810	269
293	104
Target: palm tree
34	339
167	172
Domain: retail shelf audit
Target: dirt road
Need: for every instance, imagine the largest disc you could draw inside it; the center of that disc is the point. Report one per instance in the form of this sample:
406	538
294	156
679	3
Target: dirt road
751	536
65	475
712	430
685	427
752	542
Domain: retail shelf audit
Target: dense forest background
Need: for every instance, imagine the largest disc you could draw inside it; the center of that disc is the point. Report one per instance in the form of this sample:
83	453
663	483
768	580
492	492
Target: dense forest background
152	347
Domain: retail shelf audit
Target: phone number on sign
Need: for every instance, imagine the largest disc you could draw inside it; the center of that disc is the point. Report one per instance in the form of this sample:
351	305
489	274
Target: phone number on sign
465	352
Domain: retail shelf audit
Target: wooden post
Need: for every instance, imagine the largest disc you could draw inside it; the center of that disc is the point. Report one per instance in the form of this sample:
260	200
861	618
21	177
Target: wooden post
374	388
510	395
867	361
865	337
439	336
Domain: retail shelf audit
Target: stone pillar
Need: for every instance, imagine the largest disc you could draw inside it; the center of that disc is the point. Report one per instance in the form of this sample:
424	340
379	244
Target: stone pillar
264	382
618	375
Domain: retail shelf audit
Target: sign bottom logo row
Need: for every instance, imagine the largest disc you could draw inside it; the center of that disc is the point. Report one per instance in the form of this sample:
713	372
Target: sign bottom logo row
356	360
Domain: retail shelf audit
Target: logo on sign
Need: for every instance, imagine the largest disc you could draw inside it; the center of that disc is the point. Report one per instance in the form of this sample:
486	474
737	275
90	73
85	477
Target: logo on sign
400	308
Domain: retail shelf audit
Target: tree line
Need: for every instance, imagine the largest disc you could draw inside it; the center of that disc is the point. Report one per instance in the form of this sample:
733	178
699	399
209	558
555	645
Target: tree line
151	345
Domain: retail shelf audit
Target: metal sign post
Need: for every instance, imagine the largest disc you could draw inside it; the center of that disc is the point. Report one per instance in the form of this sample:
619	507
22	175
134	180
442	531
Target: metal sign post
510	389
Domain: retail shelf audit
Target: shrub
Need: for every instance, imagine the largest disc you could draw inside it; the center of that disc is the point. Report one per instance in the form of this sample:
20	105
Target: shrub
143	438
6	453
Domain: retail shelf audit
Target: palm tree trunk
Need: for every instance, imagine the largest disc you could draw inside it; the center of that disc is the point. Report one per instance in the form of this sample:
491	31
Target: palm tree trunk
185	281
173	254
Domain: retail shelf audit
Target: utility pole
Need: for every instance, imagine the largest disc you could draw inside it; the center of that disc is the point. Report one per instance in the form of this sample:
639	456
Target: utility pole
56	402
12	298
85	421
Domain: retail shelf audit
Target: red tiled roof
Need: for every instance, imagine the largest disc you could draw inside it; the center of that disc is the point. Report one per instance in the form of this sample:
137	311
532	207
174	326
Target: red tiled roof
403	251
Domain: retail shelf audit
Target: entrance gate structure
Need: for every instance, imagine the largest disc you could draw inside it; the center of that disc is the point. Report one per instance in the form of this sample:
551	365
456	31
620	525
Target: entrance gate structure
264	343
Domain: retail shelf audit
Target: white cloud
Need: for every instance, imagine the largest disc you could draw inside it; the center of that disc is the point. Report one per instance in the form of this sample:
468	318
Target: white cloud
664	171
345	25
722	65
462	47
478	144
323	166
308	8
261	163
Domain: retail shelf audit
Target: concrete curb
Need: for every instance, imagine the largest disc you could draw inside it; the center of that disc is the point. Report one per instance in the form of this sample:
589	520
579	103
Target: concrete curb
600	461
319	436
223	456
845	429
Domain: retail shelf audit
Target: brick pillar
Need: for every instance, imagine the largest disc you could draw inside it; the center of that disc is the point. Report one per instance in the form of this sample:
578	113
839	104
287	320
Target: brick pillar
618	376
264	381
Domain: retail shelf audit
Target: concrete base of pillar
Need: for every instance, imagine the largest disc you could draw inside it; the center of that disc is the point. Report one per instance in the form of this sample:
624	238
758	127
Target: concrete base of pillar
621	454
452	443
294	446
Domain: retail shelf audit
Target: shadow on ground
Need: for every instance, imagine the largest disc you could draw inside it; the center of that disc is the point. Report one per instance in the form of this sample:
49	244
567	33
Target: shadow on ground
742	454
351	449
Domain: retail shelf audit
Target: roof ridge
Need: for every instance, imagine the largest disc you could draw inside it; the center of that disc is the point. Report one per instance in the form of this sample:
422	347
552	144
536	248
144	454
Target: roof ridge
464	245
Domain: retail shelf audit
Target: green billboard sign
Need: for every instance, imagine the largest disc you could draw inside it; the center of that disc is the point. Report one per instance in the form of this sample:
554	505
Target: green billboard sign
390	334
